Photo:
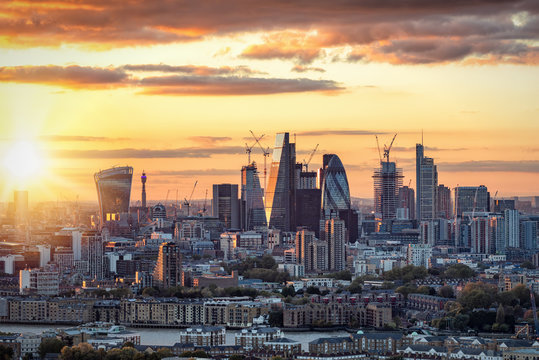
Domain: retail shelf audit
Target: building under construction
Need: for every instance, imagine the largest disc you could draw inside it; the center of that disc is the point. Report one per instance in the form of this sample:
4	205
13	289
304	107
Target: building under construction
387	182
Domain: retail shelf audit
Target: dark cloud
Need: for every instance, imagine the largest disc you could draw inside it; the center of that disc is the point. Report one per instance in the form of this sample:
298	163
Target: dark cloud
396	31
192	69
528	166
78	77
209	140
72	76
232	85
339	132
301	69
128	153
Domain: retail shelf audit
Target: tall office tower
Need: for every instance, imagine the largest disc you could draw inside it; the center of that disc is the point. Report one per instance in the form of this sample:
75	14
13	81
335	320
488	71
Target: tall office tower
252	199
501	205
387	181
113	192
306	180
471	198
497	234
308	209
168	270
528	235
225	205
20	200
305	249
443	202
512	228
281	192
426	185
320	256
480	236
335	233
92	253
407	201
143	197
335	189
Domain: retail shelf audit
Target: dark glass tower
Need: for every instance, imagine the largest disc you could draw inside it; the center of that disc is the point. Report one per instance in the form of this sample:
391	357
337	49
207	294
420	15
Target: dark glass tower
252	198
113	192
281	192
225	205
335	189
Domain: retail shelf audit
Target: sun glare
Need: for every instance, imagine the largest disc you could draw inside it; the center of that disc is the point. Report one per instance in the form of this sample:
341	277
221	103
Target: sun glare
22	160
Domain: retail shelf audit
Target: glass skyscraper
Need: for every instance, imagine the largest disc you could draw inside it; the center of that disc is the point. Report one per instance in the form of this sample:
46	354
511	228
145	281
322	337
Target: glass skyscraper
335	189
426	185
113	192
281	194
252	198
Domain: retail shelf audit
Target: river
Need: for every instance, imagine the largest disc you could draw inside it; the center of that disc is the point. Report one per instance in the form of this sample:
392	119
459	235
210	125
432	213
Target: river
155	336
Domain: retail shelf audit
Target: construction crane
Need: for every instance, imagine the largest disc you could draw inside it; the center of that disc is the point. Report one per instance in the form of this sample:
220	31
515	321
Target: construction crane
249	149
474	205
378	145
188	202
388	149
204	206
306	163
266	153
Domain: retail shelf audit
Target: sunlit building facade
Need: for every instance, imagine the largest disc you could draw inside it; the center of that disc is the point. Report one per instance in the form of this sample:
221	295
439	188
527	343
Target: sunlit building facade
387	181
281	192
335	189
113	192
426	185
168	270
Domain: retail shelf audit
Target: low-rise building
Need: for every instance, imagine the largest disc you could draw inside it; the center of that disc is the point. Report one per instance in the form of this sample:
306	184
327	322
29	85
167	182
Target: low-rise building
254	338
203	335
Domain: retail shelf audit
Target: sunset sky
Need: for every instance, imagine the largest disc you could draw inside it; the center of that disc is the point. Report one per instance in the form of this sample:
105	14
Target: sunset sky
173	87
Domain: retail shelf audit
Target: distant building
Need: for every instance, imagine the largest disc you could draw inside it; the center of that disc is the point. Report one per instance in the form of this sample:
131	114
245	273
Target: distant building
426	185
281	191
512	228
225	205
20	199
143	179
113	192
419	255
407	201
308	209
335	232
39	282
305	249
500	205
481	236
471	199
443	202
92	253
254	338
159	211
387	182
252	199
528	235
203	335
168	271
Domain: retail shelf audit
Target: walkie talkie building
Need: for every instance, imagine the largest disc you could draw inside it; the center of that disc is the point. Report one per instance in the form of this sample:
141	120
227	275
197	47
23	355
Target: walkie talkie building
113	192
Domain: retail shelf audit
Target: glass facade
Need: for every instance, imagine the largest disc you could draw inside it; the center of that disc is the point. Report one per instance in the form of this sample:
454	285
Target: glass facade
113	192
335	189
280	194
252	197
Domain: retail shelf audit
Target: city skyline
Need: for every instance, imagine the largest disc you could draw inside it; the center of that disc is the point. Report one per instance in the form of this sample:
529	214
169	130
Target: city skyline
85	86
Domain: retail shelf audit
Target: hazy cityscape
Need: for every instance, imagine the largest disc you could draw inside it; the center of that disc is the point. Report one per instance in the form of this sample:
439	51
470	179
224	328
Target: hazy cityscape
269	180
257	267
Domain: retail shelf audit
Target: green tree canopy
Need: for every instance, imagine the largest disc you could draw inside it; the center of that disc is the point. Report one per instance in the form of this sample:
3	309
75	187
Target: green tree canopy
459	271
50	345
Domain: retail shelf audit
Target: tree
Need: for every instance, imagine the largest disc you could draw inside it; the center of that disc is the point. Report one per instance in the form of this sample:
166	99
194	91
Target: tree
289	291
446	291
6	352
527	265
522	294
427	290
149	291
85	351
275	318
128	344
500	315
50	345
406	290
459	271
477	295
236	357
313	290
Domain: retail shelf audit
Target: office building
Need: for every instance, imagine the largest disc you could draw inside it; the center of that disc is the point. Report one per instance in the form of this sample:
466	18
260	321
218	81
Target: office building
480	236
308	209
281	191
143	179
113	192
443	202
335	189
426	185
168	271
471	199
512	228
92	253
419	255
252	199
528	235
304	249
159	212
387	182
225	205
497	234
39	282
306	179
406	202
335	233
500	205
